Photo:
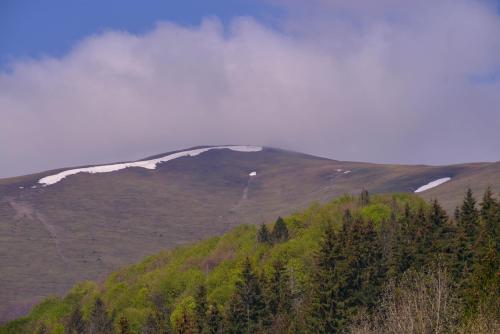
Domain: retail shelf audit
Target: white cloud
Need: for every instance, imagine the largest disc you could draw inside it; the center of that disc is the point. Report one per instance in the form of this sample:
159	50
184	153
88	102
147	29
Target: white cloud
347	81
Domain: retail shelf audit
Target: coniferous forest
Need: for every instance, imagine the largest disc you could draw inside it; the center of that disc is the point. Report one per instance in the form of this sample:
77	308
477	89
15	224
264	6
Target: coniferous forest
367	264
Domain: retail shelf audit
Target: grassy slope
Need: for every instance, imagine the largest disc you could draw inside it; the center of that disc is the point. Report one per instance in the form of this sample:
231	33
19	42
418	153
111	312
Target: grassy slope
215	261
97	223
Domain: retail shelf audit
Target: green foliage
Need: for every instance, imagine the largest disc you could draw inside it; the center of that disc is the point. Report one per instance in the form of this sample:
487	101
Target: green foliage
99	321
75	324
376	212
246	307
280	231
314	272
124	326
263	236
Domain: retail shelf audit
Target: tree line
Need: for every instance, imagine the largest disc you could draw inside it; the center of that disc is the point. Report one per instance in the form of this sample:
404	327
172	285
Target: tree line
419	271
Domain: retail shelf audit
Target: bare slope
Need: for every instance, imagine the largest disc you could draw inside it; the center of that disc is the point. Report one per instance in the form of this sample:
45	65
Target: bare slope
89	224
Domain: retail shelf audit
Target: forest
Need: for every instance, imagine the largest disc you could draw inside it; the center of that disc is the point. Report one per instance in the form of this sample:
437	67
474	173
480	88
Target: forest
389	263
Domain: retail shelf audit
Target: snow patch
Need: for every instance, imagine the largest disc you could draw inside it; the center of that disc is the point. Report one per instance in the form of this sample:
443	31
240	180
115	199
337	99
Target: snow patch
21	187
433	184
148	164
347	172
339	170
253	174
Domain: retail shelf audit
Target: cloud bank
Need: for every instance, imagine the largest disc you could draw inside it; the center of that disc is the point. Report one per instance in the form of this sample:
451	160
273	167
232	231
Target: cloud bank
346	80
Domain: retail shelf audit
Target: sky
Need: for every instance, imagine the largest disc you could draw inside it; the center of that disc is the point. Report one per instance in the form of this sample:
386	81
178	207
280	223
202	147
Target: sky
389	81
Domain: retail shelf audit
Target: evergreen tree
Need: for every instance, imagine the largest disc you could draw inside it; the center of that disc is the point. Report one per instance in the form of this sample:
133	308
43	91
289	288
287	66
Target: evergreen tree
75	323
280	231
456	214
469	216
99	320
201	308
364	197
442	235
279	294
420	246
468	225
363	271
263	235
325	316
490	213
402	245
484	285
236	315
124	325
247	306
214	320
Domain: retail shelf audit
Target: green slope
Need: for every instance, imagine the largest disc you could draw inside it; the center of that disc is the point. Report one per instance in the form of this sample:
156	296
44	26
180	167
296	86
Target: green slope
341	260
216	262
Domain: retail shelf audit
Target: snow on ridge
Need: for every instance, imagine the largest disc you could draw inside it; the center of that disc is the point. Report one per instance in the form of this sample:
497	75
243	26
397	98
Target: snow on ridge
148	164
433	184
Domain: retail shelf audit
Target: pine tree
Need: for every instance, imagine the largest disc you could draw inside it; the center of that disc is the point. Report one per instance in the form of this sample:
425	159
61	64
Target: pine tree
124	325
490	213
280	231
325	316
75	323
469	216
442	235
263	235
201	308
279	294
214	320
456	214
468	225
364	197
362	269
236	315
420	246
99	320
402	245
247	306
484	284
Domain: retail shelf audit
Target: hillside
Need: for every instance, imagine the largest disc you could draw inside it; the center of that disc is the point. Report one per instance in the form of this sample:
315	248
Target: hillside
87	225
166	285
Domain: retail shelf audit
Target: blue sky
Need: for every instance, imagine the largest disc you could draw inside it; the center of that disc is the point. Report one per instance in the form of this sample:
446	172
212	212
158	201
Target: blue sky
32	28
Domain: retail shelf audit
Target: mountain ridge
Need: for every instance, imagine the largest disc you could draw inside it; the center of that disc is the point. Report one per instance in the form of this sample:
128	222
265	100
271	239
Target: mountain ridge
95	223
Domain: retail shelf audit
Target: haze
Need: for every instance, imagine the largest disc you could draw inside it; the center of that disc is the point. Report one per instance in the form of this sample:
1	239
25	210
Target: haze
417	82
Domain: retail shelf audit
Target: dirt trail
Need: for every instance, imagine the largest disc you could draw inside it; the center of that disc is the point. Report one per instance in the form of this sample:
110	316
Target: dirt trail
244	196
26	210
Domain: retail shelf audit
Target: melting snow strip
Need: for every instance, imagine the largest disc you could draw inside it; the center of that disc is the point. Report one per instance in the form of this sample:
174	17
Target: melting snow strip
148	164
433	184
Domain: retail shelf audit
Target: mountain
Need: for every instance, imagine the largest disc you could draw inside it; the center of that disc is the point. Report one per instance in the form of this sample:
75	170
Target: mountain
347	253
86	224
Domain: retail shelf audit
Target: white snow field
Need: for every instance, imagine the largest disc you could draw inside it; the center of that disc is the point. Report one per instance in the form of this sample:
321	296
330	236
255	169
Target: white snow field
253	174
433	184
148	164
